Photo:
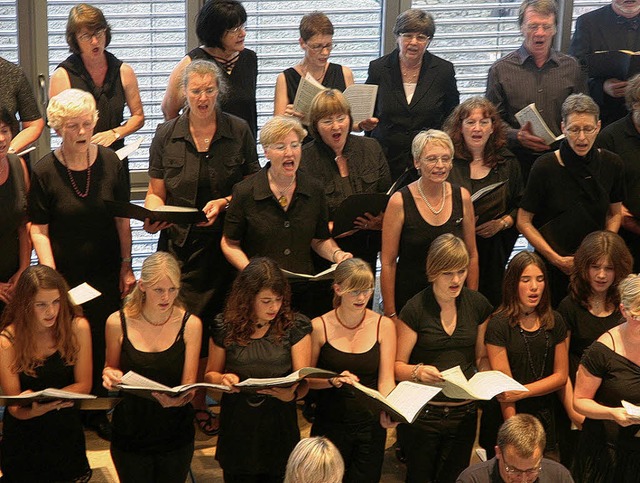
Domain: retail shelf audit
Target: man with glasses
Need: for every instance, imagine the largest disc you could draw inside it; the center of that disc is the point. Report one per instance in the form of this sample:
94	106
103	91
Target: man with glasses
521	442
612	27
535	73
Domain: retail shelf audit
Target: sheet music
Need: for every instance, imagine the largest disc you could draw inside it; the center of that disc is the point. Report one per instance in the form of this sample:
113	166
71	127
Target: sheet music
307	90
83	293
128	149
362	99
408	398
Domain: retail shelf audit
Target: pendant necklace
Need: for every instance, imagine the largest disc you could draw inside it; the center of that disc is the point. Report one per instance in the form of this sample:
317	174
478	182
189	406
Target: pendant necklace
73	181
261	325
364	315
282	200
157	324
526	337
424	198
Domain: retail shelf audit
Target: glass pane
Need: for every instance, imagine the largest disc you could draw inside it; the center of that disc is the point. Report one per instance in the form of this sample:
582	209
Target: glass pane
8	31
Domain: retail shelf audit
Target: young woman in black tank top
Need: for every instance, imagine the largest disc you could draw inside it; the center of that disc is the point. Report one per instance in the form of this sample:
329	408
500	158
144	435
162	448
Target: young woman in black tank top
360	345
156	337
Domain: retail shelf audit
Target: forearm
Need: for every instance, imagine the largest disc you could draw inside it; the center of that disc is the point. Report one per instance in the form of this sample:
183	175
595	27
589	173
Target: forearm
43	250
508	410
25	247
404	371
546	386
614	222
123	228
534	237
473	276
133	124
234	253
27	136
592	410
327	249
387	287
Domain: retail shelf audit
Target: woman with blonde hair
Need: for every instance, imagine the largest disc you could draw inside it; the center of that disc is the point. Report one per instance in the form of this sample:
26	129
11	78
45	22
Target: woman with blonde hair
417	215
441	327
44	343
360	345
314	460
155	336
609	450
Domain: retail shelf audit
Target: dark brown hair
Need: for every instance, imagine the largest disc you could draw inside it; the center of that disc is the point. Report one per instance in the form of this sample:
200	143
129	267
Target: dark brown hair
510	307
597	245
497	139
315	23
86	16
261	273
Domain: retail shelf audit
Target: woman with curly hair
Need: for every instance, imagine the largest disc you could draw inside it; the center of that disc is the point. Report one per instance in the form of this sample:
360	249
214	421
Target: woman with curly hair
258	335
591	309
44	343
482	159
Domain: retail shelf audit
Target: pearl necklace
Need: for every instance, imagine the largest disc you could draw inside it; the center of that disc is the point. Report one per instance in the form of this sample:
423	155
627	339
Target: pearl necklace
73	181
157	324
424	198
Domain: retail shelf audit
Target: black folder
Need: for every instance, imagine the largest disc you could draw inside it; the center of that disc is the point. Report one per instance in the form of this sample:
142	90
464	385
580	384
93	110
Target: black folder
171	214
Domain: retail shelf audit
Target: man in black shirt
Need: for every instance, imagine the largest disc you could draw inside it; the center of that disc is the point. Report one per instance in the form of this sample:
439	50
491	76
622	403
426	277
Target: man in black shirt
521	442
612	27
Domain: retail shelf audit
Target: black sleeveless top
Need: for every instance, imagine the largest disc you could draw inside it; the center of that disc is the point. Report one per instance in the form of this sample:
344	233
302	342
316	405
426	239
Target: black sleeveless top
144	426
110	98
339	404
13	209
240	99
415	239
333	79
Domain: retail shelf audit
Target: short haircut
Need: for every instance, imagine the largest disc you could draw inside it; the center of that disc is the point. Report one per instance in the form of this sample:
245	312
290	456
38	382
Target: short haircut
595	246
315	460
7	118
541	7
497	139
415	20
330	102
69	104
203	67
277	128
632	92
215	18
579	104
352	274
446	253
315	23
433	136
524	433
630	292
86	16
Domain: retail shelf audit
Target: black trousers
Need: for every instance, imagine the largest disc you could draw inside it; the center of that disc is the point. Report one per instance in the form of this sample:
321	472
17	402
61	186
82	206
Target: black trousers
166	467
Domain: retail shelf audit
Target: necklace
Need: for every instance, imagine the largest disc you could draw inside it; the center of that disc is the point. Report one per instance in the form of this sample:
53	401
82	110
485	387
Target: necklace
410	74
305	71
157	324
526	337
424	198
73	181
260	326
282	200
364	315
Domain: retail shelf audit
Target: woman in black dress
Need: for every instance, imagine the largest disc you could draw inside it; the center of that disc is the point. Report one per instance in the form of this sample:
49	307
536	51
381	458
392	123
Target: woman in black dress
15	244
43	344
221	29
570	193
110	81
440	328
71	229
609	450
526	340
316	39
417	215
346	165
482	160
155	336
258	335
592	308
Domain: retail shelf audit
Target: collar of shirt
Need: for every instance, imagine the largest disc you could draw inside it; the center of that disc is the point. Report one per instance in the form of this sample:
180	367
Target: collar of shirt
523	55
223	128
262	191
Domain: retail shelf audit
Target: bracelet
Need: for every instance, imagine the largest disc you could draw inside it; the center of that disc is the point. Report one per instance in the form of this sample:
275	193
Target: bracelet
392	315
333	257
127	260
414	372
228	200
330	381
116	134
504	223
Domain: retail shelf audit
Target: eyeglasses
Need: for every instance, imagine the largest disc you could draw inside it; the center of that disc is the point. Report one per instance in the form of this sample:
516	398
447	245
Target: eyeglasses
321	47
587	130
420	38
512	471
533	27
328	122
433	160
357	293
237	30
98	34
209	92
282	147
483	122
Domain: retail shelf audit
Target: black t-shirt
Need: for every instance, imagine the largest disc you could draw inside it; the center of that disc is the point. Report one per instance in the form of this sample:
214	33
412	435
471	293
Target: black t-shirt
434	346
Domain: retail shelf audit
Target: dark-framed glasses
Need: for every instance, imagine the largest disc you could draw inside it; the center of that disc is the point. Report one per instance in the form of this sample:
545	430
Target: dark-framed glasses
575	131
87	36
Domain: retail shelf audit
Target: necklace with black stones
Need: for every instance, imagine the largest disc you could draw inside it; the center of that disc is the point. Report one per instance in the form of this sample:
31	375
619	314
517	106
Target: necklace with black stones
282	200
157	324
364	315
424	198
525	338
261	325
73	181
